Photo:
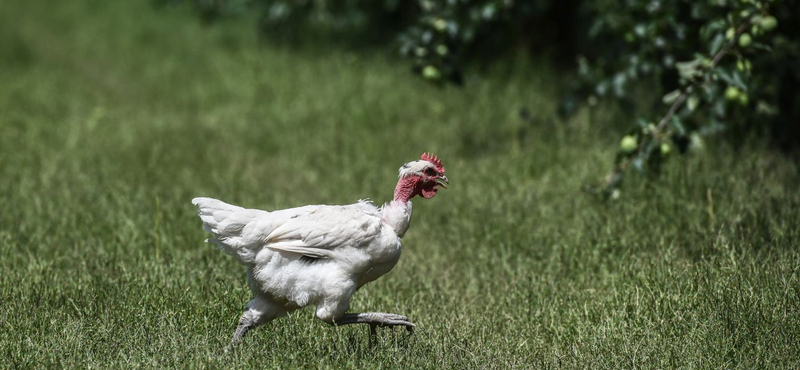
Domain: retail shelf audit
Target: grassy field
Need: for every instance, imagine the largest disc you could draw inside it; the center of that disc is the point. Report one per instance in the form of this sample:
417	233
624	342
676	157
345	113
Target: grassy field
112	117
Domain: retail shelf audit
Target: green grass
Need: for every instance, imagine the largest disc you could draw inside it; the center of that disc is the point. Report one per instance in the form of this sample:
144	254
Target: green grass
112	117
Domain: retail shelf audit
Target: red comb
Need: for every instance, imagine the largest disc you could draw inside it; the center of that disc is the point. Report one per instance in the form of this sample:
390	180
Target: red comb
433	159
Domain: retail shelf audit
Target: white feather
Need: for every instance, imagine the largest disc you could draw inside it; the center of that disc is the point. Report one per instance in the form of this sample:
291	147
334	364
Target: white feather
309	255
414	168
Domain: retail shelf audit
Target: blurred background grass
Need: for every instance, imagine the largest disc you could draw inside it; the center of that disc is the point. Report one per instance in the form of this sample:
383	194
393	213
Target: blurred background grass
113	115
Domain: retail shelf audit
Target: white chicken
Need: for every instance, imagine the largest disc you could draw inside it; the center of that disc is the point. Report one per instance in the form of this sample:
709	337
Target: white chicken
319	254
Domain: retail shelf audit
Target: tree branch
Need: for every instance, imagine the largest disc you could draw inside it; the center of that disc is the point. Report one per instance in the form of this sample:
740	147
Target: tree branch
661	128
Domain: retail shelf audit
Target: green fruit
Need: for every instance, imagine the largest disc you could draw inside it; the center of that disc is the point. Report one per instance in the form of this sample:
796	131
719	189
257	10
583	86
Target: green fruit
743	99
743	65
421	51
730	33
745	40
442	49
731	93
431	73
665	149
768	23
440	25
628	144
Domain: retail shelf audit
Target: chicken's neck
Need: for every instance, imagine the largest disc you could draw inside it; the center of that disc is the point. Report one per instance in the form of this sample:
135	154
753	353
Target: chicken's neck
397	213
406	189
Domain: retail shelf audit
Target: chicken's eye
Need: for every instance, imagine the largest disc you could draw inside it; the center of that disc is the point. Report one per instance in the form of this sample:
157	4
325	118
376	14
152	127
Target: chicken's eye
430	172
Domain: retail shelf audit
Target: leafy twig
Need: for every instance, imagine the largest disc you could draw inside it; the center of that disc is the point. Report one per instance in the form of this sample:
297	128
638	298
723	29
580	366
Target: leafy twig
661	129
714	62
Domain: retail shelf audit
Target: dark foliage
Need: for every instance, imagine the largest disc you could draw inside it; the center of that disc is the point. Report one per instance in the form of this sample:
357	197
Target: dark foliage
683	69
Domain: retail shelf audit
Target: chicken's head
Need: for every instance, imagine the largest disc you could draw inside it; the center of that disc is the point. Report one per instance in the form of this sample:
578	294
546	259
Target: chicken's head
422	177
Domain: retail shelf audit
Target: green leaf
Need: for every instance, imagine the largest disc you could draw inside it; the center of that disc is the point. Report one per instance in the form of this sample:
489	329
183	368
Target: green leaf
638	164
677	124
737	77
671	97
731	79
689	70
761	46
716	43
712	28
692	102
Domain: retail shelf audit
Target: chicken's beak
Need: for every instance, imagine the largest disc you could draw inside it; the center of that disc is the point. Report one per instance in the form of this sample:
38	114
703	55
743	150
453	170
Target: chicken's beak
442	181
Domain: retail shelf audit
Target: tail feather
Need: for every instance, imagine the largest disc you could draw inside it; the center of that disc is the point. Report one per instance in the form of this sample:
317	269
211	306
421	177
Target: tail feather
227	222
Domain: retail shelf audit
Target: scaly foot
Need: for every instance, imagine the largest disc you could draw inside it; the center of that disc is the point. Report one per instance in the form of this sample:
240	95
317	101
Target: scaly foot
375	319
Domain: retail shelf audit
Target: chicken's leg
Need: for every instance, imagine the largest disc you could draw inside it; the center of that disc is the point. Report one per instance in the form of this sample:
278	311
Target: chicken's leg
248	321
375	319
259	311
